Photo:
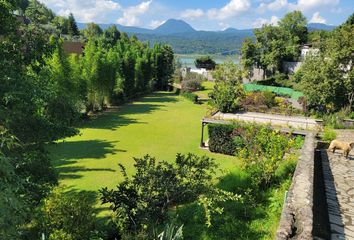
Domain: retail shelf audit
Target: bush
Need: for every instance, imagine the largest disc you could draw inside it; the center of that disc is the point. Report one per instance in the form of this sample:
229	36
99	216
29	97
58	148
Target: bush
190	96
269	98
220	139
328	134
191	85
142	201
261	148
67	215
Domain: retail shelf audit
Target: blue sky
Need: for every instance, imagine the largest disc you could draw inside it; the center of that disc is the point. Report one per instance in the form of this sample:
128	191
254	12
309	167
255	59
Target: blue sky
201	14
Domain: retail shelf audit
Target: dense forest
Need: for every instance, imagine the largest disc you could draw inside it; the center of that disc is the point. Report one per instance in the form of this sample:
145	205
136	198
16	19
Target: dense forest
44	92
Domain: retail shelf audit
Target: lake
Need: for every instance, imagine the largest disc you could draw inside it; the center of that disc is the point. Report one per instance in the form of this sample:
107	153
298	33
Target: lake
188	60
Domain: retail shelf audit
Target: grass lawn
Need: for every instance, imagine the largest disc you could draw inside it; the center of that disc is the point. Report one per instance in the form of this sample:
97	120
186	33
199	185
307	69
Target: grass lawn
208	88
161	125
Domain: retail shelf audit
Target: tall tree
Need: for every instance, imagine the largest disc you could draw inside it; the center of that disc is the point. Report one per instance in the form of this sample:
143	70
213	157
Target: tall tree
111	36
248	56
73	30
92	30
294	27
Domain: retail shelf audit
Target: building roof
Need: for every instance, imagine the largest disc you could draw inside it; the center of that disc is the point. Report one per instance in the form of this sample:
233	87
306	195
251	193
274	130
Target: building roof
73	47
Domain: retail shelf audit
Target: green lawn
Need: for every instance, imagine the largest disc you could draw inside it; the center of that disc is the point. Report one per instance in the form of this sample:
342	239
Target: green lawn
208	88
161	124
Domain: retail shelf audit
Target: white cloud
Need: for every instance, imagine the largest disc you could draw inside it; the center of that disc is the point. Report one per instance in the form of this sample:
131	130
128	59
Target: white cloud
262	21
273	6
84	11
232	9
131	14
155	23
223	25
307	5
192	13
316	18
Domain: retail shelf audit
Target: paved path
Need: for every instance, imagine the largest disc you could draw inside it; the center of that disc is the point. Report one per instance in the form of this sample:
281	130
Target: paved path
273	119
339	184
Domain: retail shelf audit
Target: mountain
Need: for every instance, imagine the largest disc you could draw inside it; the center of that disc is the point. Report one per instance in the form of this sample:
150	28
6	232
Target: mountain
173	26
184	39
320	26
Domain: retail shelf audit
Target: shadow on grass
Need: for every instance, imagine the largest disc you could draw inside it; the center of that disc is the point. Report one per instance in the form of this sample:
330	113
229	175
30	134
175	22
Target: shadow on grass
72	152
116	117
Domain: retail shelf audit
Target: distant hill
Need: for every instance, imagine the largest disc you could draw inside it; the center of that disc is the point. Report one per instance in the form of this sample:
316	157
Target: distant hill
320	26
173	26
184	39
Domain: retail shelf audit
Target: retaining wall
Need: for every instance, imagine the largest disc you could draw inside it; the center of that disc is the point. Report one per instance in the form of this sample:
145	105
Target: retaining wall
296	221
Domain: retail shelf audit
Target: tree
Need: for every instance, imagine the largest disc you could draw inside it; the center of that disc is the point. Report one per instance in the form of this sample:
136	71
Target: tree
62	24
92	30
228	90
248	56
111	36
205	62
72	27
294	26
327	78
38	12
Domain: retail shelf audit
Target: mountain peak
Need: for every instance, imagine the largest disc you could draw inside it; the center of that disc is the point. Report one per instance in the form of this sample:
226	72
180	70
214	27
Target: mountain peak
172	26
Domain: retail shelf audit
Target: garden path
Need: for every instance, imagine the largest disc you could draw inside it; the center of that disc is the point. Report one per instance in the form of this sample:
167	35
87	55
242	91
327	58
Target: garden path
298	122
339	184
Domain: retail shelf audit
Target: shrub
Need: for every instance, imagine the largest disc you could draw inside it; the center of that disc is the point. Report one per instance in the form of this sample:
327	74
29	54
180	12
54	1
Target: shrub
190	96
220	139
261	148
143	200
269	98
67	215
328	134
191	85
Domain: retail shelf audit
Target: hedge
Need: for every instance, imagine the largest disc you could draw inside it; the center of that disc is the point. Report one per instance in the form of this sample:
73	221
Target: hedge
220	139
190	96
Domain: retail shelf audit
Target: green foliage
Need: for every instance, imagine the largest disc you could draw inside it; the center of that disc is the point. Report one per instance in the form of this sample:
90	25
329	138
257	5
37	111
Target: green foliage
73	30
328	134
275	44
143	200
67	215
220	139
261	148
191	85
190	96
171	232
38	12
205	62
228	90
327	78
92	30
248	56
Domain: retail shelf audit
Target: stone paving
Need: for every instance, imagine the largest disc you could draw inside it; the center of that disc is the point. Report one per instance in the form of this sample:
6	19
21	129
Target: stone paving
339	183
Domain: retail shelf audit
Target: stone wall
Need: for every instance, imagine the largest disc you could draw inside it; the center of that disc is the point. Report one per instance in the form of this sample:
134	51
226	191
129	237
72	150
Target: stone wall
297	216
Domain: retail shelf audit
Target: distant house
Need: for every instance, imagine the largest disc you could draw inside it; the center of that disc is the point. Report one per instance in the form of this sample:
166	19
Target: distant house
73	47
307	49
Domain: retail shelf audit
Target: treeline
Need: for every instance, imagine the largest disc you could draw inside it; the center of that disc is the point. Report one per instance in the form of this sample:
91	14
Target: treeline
112	70
43	92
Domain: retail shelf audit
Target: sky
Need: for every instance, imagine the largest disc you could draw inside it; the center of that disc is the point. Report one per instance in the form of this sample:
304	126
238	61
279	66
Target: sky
201	14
